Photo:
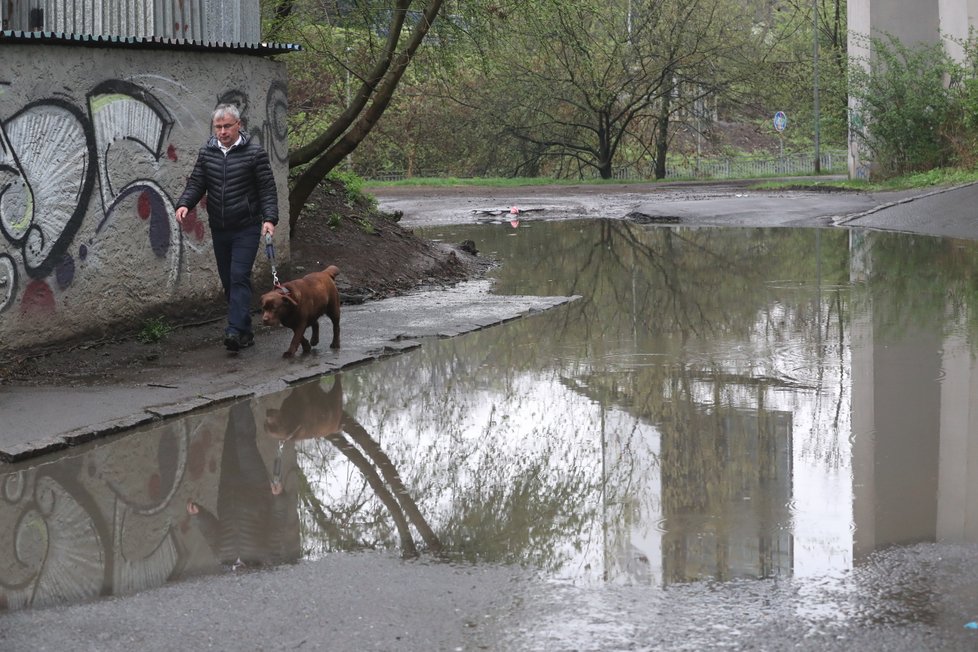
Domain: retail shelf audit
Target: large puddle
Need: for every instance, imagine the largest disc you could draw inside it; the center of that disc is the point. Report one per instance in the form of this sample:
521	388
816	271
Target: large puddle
719	405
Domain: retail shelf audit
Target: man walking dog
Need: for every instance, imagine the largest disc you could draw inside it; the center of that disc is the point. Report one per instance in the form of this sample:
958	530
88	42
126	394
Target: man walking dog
233	170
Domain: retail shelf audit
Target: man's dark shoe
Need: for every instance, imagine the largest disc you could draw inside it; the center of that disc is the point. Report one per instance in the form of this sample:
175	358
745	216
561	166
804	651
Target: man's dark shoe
238	341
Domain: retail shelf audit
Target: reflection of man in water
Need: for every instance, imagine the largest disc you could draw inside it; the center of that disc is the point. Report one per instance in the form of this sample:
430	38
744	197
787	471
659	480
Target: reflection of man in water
252	525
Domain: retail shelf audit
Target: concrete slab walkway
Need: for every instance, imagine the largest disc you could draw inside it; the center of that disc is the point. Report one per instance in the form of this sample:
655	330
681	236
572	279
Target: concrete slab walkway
36	419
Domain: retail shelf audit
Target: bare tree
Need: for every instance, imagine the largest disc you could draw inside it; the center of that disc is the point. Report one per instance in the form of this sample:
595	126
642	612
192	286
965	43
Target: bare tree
588	82
332	33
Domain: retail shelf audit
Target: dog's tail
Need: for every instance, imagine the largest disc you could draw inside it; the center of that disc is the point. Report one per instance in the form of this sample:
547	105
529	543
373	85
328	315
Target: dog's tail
332	270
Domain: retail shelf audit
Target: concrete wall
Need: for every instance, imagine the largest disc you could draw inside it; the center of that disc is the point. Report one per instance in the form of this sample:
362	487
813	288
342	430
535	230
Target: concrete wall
95	147
957	17
911	21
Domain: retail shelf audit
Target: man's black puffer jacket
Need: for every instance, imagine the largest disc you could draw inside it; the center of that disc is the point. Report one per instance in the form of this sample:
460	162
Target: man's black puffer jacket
240	187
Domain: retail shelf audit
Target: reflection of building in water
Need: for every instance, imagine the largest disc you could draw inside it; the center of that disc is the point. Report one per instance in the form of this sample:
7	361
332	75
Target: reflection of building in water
726	487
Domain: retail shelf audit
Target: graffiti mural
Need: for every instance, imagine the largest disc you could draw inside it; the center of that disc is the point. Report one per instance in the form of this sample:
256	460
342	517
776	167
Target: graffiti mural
80	179
51	156
124	116
275	129
45	171
272	132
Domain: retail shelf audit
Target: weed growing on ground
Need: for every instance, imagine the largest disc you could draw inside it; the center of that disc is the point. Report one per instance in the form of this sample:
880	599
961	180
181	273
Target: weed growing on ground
154	330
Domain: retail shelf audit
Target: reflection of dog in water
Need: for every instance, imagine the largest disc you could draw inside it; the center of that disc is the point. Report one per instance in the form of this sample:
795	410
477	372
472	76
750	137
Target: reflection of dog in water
308	411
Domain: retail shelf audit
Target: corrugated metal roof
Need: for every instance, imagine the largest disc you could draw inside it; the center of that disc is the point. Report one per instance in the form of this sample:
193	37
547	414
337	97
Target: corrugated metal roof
147	42
231	21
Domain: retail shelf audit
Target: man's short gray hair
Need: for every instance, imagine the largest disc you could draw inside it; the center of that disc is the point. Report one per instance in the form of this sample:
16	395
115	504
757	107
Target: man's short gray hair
226	110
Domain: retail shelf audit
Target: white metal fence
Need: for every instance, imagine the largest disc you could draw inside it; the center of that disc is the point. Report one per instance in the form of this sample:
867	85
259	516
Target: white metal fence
748	167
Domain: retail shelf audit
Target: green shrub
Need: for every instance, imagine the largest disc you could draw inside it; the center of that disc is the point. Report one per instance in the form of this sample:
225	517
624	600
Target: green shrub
907	104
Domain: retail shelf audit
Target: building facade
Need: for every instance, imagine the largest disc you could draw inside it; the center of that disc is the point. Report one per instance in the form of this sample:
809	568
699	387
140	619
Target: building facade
100	125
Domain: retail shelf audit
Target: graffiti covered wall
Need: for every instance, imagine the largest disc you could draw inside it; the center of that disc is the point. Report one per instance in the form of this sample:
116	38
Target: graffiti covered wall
95	148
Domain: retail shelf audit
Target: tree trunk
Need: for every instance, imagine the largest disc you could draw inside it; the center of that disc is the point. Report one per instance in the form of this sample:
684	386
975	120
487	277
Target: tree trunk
342	137
605	153
662	136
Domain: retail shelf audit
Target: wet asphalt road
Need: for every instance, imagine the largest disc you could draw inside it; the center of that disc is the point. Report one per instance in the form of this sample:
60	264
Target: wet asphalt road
379	602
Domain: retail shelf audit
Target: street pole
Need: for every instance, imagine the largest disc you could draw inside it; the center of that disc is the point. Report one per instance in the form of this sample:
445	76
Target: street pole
628	21
349	157
818	155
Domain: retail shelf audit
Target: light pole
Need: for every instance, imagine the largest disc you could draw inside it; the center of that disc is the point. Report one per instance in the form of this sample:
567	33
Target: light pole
818	156
349	157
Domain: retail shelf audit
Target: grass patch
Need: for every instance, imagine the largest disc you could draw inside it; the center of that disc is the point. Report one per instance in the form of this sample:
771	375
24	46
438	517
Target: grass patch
498	182
931	178
937	177
154	330
366	226
352	185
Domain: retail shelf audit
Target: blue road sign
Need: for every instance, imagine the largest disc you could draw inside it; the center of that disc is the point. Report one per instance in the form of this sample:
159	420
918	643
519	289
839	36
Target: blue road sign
780	121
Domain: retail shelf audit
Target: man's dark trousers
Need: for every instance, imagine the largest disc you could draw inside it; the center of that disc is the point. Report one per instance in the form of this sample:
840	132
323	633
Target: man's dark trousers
235	251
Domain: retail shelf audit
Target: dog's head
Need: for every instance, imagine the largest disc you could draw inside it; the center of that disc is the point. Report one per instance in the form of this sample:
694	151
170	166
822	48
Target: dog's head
275	305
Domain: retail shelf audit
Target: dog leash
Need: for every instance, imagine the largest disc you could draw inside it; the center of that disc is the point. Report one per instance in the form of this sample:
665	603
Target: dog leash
270	252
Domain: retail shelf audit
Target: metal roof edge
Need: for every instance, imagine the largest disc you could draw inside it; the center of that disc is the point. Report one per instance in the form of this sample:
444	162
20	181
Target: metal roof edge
145	42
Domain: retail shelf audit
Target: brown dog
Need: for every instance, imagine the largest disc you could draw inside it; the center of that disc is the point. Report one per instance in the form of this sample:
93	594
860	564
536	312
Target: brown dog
300	303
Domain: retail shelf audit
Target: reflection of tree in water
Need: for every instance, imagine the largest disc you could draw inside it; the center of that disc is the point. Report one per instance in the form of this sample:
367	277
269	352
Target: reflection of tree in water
676	321
681	328
724	306
310	413
484	499
920	282
521	520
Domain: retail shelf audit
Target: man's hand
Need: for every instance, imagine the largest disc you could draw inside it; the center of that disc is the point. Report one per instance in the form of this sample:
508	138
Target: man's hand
267	229
180	214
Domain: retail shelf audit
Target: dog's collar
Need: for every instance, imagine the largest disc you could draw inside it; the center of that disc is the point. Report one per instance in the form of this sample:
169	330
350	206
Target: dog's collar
281	288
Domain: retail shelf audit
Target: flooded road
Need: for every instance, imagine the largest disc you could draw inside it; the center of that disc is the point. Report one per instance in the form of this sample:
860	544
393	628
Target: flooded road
735	438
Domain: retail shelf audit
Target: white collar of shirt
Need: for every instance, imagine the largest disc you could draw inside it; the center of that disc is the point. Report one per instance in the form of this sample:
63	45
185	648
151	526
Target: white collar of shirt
227	149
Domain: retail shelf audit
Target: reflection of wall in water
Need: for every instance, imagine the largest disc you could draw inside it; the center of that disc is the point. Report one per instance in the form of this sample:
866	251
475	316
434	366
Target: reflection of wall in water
914	384
113	519
726	485
957	490
722	484
896	466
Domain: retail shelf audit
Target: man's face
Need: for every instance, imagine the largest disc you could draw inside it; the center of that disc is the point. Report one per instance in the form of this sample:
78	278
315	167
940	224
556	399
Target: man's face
226	129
